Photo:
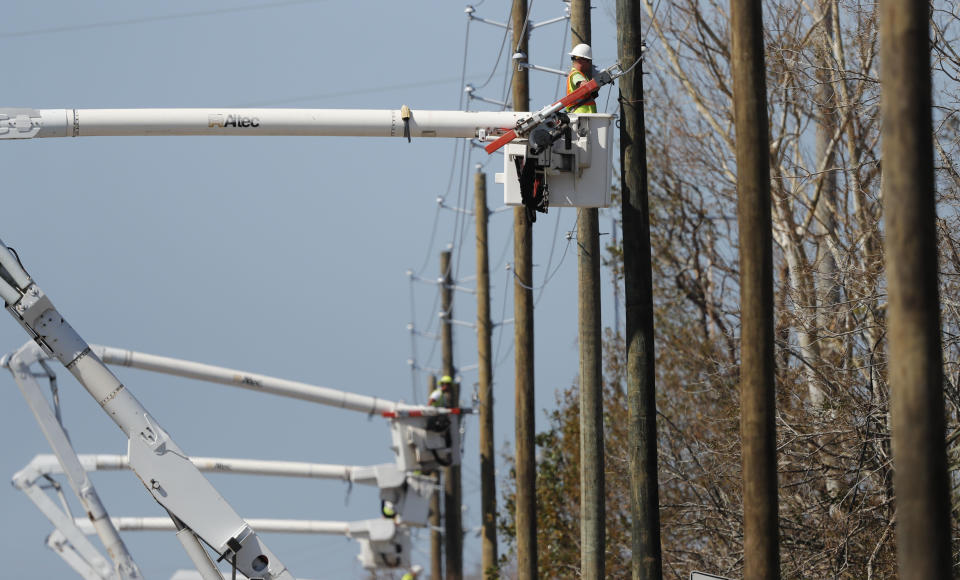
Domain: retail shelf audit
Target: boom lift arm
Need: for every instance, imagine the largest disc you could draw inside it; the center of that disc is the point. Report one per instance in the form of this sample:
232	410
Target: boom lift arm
33	123
19	364
67	548
160	464
417	441
410	493
383	544
388	536
572	181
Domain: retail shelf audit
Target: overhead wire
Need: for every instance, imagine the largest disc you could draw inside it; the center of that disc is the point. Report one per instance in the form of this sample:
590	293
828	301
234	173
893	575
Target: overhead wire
503	312
459	226
503	43
459	242
563	60
456	146
350	93
413	345
415	368
148	19
553	247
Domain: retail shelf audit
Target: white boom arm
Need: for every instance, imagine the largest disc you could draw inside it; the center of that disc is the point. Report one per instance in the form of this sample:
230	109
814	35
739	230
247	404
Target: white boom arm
69	552
384	476
383	544
262	383
417	441
69	542
573	150
30	123
162	524
19	364
156	459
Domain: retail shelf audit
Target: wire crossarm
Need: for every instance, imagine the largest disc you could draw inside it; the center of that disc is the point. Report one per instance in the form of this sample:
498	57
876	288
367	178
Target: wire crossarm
161	465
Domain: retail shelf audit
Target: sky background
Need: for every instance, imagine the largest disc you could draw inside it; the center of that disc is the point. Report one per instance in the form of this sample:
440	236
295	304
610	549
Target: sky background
286	256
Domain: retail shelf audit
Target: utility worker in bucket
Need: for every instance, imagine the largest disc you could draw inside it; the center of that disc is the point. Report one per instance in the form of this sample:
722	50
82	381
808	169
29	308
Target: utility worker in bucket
414	572
388	509
581	72
440	397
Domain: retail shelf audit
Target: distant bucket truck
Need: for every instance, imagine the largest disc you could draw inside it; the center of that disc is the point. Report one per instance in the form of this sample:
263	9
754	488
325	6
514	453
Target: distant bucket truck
197	510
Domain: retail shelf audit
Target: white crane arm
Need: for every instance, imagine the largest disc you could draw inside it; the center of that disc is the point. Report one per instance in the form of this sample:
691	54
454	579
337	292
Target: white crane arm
263	383
46	464
160	464
30	123
63	547
264	525
19	364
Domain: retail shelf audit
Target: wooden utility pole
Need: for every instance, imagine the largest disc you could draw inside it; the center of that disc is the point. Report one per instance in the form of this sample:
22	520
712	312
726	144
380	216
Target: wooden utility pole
920	477
452	513
638	292
525	432
488	478
436	536
757	391
592	504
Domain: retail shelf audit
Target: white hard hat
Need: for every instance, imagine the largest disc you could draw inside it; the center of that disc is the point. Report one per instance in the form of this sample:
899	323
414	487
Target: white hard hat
416	568
582	51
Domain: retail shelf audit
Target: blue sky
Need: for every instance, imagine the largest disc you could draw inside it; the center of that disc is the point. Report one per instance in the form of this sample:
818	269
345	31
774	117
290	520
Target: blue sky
281	256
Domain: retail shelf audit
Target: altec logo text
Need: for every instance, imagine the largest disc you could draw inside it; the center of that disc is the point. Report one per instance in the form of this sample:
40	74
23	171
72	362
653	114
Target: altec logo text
232	121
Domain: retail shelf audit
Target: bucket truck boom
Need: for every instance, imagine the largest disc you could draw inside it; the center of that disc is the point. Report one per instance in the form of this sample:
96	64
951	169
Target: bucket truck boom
580	177
161	465
388	536
416	444
124	567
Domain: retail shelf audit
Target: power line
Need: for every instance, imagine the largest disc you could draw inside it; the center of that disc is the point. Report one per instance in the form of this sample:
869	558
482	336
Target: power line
503	43
148	19
362	91
553	247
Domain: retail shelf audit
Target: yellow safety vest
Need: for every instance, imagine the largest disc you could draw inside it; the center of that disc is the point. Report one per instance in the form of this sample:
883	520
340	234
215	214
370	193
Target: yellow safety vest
573	79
